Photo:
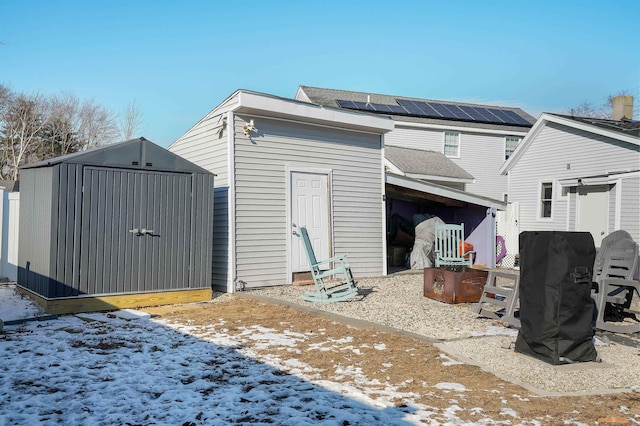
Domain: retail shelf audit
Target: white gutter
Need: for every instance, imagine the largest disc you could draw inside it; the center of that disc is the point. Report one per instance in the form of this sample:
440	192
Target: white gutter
461	129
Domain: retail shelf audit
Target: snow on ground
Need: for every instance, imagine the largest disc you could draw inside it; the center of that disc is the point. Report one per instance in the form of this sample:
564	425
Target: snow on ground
125	368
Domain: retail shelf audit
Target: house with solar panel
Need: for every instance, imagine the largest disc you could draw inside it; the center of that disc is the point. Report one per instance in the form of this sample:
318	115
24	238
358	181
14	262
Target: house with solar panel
441	158
579	174
283	163
477	138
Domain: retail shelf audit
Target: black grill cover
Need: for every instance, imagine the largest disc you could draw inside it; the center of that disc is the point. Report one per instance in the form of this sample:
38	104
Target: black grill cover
556	309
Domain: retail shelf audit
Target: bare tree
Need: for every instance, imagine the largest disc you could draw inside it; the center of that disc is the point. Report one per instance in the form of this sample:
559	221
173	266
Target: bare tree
22	117
96	125
34	128
587	109
130	121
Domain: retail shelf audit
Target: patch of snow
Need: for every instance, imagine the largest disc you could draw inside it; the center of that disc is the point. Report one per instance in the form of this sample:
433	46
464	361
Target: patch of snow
451	386
448	361
15	306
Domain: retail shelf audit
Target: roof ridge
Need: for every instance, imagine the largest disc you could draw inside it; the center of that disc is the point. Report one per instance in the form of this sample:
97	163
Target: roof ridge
410	98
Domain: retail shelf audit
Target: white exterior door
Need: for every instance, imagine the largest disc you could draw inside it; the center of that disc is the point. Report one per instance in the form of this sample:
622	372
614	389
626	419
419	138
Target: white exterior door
309	208
593	203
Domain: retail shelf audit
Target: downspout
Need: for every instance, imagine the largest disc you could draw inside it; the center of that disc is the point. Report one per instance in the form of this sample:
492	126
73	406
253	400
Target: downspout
384	209
231	201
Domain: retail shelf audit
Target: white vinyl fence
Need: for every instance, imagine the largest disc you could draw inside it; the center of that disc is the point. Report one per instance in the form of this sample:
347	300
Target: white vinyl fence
507	228
9	212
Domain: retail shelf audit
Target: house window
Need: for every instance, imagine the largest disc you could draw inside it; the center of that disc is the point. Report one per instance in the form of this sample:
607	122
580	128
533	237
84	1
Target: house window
510	144
452	144
546	195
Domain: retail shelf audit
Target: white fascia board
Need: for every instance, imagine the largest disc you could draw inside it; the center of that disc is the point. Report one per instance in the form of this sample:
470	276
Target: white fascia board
221	109
544	119
460	129
591	129
522	146
439	178
392	167
309	113
443	191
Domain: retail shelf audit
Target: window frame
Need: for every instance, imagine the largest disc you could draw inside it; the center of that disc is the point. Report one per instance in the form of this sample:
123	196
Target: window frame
540	200
444	143
506	145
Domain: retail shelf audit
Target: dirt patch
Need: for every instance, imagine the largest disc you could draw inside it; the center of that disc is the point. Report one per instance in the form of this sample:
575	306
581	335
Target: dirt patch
408	364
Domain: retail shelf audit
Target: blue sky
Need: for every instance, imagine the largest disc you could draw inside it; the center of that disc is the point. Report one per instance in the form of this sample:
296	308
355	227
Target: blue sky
179	59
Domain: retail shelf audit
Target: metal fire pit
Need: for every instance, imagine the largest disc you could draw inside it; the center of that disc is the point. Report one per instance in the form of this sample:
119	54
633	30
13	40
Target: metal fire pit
445	285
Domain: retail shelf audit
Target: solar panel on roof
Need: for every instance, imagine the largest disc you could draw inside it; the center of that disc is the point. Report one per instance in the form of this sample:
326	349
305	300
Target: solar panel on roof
363	106
504	117
489	113
475	113
345	104
517	118
455	110
391	109
411	107
442	110
428	110
439	110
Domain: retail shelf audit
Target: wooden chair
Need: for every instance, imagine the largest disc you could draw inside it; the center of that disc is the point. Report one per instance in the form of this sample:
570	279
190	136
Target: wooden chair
449	246
323	270
613	275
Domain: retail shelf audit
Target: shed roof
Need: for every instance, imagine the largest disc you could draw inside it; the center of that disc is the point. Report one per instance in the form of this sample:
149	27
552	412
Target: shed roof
137	153
423	164
328	98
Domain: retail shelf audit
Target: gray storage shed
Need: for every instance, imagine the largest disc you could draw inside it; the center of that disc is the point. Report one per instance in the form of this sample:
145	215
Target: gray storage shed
124	225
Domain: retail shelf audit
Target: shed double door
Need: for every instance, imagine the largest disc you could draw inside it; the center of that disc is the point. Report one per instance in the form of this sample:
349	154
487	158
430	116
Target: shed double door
136	229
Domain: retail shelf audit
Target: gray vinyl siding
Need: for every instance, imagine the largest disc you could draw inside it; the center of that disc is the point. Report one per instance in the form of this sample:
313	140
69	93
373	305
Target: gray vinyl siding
35	237
261	195
205	146
79	222
481	155
630	209
559	152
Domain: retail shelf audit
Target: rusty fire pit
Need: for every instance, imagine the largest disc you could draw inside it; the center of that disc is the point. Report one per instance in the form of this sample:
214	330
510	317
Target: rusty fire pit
449	286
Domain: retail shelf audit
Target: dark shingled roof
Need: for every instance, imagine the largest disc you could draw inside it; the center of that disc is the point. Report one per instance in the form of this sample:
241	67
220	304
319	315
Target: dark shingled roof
624	127
420	162
328	97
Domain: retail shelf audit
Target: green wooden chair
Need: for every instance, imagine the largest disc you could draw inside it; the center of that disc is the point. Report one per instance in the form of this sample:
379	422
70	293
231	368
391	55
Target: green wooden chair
449	246
326	291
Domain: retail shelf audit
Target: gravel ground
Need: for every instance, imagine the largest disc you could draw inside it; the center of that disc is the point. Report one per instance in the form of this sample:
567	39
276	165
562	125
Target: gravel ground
397	301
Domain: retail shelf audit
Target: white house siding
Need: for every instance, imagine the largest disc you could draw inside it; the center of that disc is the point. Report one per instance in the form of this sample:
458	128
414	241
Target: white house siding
481	155
261	162
206	147
630	208
546	159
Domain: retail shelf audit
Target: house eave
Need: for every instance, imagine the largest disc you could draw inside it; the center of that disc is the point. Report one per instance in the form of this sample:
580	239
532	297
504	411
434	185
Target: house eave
547	118
496	131
443	191
256	103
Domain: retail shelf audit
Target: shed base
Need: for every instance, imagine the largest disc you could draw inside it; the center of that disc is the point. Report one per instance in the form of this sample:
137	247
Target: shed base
74	305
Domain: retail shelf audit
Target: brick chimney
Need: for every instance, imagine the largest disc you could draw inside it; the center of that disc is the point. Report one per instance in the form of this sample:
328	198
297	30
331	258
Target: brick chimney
622	107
